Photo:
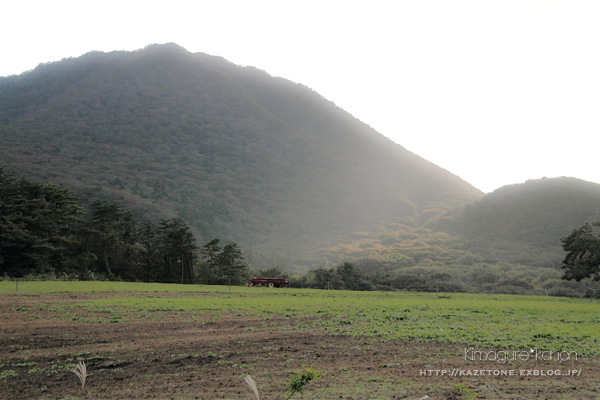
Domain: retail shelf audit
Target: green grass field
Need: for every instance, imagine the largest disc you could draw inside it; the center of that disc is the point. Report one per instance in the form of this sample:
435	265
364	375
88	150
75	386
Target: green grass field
493	321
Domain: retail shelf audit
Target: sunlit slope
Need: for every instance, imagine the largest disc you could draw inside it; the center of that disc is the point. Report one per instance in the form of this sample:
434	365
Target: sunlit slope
517	224
237	153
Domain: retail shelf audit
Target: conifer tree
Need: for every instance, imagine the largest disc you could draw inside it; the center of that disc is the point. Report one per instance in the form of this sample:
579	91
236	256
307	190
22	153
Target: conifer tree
115	230
37	224
232	265
210	255
180	247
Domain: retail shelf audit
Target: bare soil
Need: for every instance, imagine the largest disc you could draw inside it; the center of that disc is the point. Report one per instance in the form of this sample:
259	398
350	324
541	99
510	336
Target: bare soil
196	356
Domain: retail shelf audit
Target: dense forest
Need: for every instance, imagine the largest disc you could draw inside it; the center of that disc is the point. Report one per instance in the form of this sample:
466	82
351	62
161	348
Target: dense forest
45	234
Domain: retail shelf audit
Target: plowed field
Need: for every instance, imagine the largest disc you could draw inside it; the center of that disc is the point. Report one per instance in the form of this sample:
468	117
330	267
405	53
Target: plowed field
171	353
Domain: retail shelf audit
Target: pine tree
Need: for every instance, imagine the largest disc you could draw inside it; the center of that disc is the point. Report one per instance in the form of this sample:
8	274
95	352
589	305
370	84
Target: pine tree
115	231
180	247
232	265
210	255
149	239
37	224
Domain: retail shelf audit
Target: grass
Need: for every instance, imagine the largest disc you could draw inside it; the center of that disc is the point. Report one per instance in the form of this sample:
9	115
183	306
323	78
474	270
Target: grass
35	287
490	321
81	371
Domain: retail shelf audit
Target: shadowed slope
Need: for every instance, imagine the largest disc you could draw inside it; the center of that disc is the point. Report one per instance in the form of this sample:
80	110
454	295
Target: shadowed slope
523	223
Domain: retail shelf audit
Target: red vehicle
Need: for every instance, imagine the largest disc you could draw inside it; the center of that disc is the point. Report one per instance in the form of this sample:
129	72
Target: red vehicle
270	282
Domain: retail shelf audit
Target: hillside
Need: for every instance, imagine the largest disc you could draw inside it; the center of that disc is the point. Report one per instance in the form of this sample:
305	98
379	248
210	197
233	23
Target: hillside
237	153
523	223
516	225
506	242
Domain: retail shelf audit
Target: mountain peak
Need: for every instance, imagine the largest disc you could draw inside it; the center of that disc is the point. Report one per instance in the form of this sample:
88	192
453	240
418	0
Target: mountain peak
235	152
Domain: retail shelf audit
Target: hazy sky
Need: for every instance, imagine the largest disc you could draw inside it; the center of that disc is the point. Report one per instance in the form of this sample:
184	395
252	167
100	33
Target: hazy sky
496	92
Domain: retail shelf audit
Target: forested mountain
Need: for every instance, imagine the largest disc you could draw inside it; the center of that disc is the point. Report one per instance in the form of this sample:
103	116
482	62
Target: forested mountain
506	242
233	151
516	224
523	223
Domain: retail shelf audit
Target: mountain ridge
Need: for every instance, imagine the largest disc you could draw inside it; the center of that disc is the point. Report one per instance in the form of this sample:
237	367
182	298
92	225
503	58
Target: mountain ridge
237	153
527	219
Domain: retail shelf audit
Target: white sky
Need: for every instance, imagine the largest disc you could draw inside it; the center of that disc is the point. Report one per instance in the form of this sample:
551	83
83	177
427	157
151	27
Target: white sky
496	92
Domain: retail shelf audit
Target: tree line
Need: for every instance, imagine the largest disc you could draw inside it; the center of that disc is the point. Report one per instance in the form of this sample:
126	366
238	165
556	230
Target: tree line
43	231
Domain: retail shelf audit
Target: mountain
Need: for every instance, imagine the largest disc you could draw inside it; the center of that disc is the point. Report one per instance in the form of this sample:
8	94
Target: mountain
235	152
523	223
515	225
506	242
